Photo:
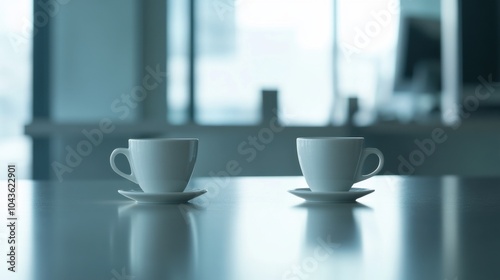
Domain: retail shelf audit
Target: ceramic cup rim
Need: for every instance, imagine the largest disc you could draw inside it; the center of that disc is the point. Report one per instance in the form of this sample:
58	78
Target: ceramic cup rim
333	138
162	139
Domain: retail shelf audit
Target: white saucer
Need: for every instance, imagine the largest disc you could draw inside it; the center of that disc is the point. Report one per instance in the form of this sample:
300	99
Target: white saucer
350	196
170	198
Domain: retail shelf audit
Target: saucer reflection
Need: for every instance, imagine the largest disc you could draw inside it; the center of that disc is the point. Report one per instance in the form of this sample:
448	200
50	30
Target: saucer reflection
162	241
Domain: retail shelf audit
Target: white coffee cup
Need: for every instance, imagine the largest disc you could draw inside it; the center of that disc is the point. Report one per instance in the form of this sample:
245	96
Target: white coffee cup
159	165
332	164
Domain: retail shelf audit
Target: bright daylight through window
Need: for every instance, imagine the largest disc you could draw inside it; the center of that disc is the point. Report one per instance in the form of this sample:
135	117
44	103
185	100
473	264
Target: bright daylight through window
15	84
243	47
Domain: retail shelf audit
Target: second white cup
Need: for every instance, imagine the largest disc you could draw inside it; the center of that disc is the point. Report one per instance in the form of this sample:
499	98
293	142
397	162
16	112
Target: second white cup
159	165
332	164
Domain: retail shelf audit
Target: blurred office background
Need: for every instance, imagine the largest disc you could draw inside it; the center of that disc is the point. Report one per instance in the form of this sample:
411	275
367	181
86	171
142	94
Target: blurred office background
246	77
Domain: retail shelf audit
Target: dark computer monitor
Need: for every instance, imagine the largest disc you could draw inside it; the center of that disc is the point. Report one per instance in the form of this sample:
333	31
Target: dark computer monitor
479	32
418	61
479	47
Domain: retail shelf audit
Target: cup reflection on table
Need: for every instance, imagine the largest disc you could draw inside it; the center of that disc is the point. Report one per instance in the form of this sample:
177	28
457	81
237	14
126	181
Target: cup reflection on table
333	240
162	241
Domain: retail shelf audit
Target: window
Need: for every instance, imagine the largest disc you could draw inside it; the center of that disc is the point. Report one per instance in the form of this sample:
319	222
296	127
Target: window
366	53
242	47
15	84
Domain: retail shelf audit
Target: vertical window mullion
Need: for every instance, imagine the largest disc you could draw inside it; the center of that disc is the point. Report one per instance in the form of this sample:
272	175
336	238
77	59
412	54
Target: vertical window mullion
191	59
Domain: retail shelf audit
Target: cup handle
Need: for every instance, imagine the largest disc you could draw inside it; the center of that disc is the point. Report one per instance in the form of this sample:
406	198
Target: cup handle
126	153
366	153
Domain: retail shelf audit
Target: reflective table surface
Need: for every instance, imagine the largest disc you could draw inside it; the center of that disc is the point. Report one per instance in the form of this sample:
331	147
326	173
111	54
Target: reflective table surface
252	228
